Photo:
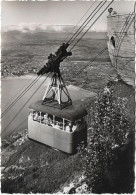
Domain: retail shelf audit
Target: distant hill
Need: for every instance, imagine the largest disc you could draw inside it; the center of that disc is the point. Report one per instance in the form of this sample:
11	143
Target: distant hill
23	32
15	35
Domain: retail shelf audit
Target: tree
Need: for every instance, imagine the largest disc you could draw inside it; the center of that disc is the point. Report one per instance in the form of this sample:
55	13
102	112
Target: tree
109	131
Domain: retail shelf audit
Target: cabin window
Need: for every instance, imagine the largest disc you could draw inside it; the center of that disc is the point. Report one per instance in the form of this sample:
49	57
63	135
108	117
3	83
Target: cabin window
37	116
50	120
77	125
44	118
80	124
57	122
68	125
112	40
47	119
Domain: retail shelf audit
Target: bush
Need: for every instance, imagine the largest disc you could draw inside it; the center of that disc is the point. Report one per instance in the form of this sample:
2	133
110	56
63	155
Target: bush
109	130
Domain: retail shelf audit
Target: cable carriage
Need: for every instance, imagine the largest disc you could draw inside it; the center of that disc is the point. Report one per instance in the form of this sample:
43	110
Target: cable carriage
62	129
54	121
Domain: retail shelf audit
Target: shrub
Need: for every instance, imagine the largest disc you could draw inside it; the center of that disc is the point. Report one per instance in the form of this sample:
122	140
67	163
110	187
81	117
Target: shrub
109	130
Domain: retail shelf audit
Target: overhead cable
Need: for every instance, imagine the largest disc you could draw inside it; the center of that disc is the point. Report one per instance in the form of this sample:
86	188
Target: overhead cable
84	23
79	21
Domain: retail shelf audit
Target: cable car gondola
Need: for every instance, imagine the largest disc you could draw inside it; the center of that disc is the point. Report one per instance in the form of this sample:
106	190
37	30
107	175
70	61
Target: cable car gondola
53	121
62	129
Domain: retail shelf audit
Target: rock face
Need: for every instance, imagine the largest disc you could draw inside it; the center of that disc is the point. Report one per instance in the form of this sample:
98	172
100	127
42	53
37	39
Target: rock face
121	47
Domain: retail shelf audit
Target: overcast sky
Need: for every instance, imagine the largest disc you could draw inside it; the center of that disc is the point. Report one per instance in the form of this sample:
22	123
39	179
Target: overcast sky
55	12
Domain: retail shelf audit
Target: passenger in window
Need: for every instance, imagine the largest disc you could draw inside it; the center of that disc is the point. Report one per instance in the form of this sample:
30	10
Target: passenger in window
61	125
45	119
31	115
35	116
69	127
50	122
78	125
39	117
57	125
42	117
74	127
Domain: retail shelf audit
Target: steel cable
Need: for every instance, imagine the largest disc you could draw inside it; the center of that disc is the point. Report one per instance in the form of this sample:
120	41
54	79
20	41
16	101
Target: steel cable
84	23
98	54
79	21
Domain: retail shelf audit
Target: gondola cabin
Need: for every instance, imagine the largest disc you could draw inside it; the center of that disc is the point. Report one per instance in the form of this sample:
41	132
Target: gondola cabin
63	129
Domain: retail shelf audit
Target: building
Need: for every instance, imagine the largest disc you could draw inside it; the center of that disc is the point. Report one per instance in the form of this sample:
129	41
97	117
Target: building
121	44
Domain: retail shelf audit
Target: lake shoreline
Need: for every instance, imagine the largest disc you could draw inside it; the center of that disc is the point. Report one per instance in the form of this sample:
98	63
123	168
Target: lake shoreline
17	77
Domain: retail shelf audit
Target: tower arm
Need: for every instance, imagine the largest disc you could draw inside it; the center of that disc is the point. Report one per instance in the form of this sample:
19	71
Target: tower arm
54	61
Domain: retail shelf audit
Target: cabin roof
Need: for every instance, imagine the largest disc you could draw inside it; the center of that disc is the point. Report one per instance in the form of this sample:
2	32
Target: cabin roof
72	113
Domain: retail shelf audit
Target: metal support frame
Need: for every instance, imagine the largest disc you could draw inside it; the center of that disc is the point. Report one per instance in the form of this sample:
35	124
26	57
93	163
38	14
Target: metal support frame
55	91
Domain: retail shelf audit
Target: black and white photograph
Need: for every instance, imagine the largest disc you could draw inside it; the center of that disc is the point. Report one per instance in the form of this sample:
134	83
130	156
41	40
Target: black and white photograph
68	97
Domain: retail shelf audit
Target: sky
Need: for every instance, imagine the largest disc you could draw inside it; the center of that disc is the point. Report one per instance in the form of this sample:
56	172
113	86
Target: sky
19	13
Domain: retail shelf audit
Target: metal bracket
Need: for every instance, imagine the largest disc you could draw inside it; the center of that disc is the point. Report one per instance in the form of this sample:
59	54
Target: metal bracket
56	90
